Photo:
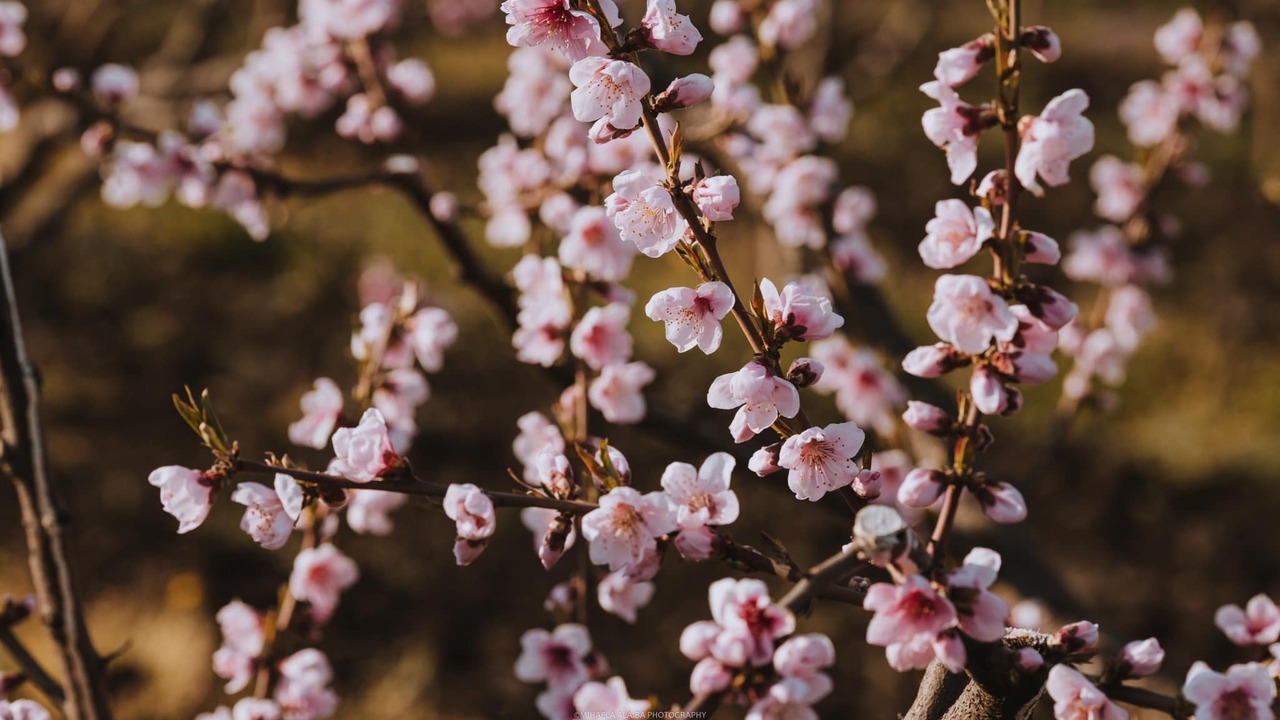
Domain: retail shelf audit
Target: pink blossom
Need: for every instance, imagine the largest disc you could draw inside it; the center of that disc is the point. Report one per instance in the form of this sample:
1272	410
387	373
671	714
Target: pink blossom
1258	623
1102	256
1141	658
802	315
1129	316
668	30
927	418
952	126
709	676
982	613
430	331
1043	43
1245	691
251	708
922	487
13	15
620	597
692	316
472	510
594	246
1150	113
137	173
685	92
303	689
791	699
270	514
1180	37
822	460
744	610
185	494
955	234
611	91
716	197
611	700
114	84
799	189
536	433
559	658
1040	248
364	452
369	511
643	212
553	473
804	656
759	396
1049	306
601	337
830	109
958	66
23	709
535	91
552	533
991	394
397	396
1051	141
616	392
734	61
319	577
910	622
626	526
413	80
1001	502
702	496
931	361
698	543
321	408
789	23
967	314
243	639
1075	698
865	391
367	122
1120	187
574	33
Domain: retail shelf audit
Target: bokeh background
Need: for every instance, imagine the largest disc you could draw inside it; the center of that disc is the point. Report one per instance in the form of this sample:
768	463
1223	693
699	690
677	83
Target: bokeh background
1147	518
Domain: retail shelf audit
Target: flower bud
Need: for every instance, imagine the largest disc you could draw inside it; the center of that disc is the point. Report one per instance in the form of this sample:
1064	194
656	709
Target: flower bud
990	393
684	92
114	84
931	361
1028	660
696	543
1040	248
1001	502
1042	42
716	197
804	372
562	600
1051	306
765	460
444	206
927	418
994	187
867	484
1076	638
922	487
727	17
1025	367
66	79
959	65
1141	658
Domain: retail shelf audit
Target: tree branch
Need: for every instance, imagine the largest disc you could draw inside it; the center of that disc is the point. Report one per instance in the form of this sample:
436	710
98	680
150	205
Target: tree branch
23	461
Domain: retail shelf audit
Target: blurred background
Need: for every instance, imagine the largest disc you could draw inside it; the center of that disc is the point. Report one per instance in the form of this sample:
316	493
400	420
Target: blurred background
1151	515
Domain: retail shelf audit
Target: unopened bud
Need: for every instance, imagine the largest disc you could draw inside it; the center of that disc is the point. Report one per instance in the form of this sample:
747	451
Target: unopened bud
927	418
804	372
684	92
1042	42
1076	638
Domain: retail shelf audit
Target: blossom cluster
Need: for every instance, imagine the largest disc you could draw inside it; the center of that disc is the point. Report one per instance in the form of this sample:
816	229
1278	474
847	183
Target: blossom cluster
1126	257
749	636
